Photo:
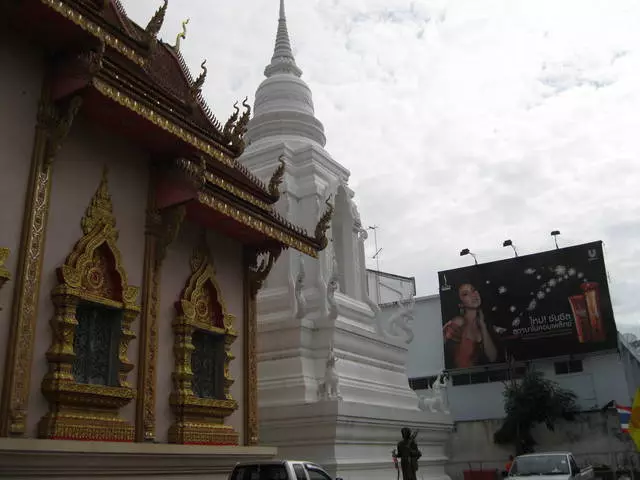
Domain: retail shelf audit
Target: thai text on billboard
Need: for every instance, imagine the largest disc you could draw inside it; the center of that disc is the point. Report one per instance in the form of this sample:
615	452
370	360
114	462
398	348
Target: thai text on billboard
543	305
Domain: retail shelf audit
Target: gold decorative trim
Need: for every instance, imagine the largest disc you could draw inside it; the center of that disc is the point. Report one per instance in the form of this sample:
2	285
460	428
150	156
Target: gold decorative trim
199	176
93	272
48	138
257	264
255	223
95	30
201	420
162	229
229	187
162	122
5	275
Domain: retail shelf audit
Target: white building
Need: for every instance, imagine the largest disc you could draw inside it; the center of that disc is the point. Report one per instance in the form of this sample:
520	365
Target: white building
477	394
332	376
384	287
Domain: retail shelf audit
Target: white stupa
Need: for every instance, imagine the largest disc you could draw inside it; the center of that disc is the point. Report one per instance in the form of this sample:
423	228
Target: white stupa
346	417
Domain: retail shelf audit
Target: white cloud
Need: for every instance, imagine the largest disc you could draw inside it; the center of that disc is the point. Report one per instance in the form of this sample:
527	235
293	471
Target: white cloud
463	123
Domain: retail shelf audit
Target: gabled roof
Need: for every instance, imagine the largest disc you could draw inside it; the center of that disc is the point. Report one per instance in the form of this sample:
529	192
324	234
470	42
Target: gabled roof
140	87
163	71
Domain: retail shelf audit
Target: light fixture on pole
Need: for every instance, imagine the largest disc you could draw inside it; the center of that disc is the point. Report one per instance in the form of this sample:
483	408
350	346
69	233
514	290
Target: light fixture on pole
509	243
467	252
555	234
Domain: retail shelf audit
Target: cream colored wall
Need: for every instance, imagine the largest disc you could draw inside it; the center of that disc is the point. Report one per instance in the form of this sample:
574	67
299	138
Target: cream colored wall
227	257
20	82
76	175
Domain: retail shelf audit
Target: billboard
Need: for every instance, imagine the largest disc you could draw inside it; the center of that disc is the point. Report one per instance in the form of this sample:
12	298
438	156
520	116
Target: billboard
543	305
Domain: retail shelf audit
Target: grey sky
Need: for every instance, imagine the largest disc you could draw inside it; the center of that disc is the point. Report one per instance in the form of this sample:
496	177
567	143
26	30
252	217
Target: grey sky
462	122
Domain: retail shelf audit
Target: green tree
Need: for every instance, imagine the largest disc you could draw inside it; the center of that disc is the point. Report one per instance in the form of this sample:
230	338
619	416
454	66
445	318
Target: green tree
531	401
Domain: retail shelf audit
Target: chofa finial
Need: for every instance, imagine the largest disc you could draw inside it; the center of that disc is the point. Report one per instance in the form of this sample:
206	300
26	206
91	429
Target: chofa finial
182	35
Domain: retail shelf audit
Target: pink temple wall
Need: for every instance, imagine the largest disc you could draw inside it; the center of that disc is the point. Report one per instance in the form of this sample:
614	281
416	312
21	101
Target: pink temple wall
76	175
20	84
227	259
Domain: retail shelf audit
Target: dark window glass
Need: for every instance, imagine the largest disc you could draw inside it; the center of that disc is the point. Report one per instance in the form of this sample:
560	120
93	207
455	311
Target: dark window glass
498	375
479	377
461	379
96	345
207	365
260	472
561	368
299	471
317	474
575	366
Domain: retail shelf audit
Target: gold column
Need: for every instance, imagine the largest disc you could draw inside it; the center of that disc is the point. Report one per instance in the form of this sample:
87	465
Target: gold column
162	229
53	126
257	265
5	276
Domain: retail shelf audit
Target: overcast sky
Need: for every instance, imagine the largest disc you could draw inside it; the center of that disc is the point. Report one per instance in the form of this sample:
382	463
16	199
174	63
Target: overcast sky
463	122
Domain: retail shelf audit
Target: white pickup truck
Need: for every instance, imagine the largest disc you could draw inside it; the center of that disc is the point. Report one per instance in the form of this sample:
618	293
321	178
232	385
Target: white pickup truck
549	466
279	470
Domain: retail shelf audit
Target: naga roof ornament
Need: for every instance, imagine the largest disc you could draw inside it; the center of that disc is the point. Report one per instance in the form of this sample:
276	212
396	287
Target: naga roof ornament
155	24
323	224
277	178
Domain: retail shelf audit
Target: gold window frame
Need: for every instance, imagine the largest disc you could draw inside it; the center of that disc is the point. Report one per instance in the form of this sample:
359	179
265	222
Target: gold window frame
85	411
199	420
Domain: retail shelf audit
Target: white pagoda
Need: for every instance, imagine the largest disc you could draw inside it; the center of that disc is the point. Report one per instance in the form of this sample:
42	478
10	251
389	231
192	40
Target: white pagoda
332	372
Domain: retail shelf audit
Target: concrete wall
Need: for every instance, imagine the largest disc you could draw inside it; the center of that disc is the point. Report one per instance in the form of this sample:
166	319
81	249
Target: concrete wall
594	439
20	83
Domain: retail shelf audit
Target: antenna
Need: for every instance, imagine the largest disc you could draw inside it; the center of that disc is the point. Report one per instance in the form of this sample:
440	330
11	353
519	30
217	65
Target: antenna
376	257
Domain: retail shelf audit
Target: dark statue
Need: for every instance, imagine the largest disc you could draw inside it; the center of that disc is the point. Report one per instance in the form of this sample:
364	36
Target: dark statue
408	453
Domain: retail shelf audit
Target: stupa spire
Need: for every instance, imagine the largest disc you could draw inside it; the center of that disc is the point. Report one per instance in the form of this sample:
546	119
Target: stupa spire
282	60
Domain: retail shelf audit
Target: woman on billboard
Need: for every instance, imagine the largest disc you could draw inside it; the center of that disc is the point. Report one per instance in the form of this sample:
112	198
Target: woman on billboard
467	339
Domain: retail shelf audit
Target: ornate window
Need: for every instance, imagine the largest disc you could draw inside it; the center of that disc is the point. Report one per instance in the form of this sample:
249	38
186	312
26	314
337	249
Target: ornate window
94	307
203	335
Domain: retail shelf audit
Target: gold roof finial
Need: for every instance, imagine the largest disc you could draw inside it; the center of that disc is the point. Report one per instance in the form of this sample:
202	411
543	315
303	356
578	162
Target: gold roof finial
100	210
182	35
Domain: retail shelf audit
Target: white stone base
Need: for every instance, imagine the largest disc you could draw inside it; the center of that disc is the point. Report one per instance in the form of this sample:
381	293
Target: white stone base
354	440
43	459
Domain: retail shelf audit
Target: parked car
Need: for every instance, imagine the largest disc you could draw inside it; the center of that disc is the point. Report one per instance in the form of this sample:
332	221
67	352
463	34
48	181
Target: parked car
549	466
279	470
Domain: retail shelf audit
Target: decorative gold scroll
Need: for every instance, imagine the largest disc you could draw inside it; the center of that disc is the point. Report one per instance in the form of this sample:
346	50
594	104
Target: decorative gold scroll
201	420
96	30
162	230
258	262
53	125
252	221
93	272
5	275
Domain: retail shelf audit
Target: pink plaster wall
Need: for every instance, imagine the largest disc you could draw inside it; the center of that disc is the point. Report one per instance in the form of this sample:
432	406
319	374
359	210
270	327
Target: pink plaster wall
227	257
20	82
76	175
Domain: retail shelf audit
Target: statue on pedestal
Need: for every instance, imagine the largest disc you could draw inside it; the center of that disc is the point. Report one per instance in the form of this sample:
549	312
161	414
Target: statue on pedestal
408	453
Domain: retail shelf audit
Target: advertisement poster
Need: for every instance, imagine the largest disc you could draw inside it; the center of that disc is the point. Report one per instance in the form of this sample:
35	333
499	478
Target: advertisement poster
543	305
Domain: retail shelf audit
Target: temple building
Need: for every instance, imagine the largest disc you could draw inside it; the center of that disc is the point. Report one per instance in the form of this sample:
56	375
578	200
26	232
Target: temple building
133	244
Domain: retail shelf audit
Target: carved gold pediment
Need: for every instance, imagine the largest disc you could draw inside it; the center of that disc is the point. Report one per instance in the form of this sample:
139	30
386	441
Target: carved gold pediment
93	273
201	307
